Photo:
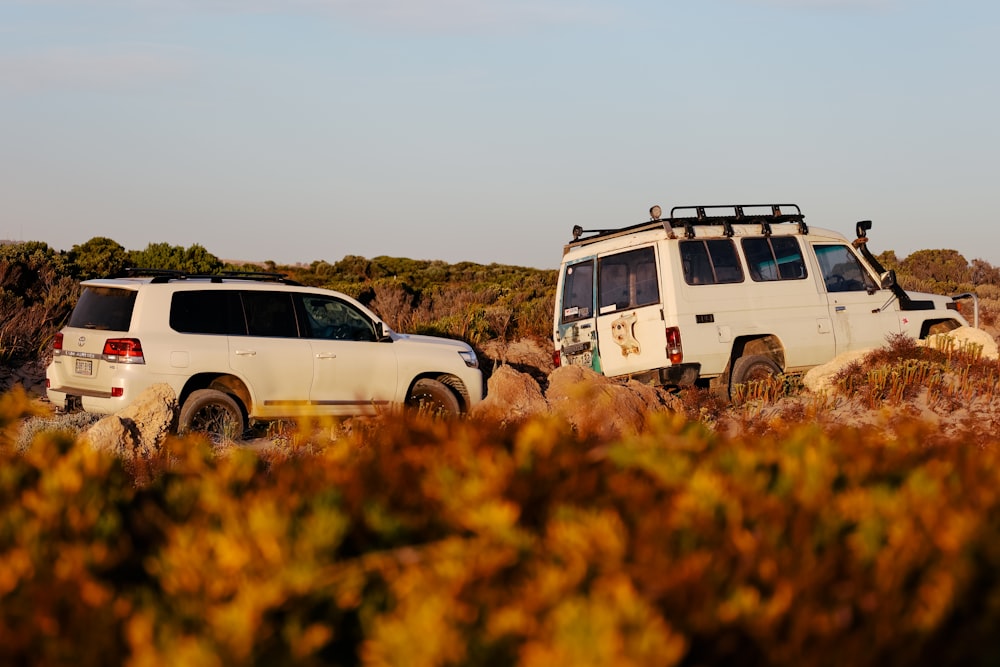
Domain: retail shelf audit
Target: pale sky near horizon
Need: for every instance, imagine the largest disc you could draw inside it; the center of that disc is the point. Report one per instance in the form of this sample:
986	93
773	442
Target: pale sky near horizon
302	130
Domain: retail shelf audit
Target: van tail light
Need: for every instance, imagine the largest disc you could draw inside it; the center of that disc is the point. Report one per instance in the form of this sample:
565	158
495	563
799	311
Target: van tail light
675	352
57	343
557	358
123	351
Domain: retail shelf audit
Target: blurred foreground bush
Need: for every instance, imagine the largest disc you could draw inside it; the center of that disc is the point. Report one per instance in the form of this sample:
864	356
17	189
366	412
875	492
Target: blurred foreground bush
419	542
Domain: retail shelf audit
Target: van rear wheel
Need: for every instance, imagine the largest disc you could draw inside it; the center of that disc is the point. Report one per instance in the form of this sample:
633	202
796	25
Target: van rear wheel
752	368
214	413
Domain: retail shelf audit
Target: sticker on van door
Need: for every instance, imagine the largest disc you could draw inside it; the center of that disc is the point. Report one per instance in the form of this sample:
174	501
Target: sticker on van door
623	333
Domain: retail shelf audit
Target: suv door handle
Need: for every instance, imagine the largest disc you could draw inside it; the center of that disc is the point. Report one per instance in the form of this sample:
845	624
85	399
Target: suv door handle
326	355
246	353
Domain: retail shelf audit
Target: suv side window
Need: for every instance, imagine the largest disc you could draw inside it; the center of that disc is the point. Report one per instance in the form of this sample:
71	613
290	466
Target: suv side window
333	319
710	262
207	312
841	270
270	314
774	258
628	280
578	292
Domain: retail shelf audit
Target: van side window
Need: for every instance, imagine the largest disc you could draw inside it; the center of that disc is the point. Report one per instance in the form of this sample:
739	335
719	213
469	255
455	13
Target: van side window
774	258
578	292
710	262
628	280
841	270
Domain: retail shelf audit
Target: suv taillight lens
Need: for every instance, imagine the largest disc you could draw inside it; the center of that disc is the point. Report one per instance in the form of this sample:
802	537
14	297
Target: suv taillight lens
123	351
57	342
557	358
674	350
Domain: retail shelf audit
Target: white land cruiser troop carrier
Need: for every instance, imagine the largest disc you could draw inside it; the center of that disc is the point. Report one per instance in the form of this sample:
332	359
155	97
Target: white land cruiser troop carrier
241	347
728	294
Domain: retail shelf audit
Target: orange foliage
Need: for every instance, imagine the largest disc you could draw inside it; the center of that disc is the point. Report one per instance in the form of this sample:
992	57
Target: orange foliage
427	542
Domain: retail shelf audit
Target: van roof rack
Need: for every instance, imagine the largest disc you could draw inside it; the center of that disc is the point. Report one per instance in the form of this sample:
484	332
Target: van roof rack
166	275
724	215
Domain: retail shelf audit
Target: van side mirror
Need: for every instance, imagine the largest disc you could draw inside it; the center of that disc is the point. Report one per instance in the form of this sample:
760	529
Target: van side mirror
888	279
380	334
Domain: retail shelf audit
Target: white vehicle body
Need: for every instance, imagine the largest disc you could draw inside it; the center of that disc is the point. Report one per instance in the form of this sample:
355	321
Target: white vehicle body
278	349
727	296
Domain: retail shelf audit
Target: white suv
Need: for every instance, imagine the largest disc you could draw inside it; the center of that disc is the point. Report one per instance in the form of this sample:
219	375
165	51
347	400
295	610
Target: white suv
245	347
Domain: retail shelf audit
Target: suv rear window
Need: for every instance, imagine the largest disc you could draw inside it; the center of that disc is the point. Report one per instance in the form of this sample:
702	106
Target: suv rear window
103	308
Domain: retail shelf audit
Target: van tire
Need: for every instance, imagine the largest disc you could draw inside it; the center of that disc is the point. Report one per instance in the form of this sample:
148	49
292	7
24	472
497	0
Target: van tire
433	396
752	368
213	413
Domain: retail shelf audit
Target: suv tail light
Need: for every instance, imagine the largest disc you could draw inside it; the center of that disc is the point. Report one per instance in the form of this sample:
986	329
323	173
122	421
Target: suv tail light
57	342
675	352
123	351
557	358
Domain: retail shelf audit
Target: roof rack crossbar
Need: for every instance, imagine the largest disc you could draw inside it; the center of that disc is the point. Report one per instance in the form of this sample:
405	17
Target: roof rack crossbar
724	215
166	275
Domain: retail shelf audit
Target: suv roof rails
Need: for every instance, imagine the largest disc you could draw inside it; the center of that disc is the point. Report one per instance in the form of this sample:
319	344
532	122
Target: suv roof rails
166	275
730	215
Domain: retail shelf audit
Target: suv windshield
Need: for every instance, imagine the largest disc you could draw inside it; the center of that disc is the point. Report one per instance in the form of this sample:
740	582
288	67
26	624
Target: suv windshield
104	308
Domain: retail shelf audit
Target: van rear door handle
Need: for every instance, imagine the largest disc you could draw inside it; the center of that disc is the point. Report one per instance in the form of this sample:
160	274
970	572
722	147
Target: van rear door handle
326	355
246	353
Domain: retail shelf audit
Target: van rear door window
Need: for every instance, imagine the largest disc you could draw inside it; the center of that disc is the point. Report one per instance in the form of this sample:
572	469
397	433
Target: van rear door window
628	280
710	262
774	258
578	291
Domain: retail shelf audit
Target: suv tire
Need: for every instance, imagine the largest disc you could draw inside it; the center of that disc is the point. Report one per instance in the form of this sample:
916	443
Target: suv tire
752	368
213	413
433	396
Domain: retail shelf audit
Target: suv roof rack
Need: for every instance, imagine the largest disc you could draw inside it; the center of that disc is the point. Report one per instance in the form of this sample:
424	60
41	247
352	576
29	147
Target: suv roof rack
730	215
166	275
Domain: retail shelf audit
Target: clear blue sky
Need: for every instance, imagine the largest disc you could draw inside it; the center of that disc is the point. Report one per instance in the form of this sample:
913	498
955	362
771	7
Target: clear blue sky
483	130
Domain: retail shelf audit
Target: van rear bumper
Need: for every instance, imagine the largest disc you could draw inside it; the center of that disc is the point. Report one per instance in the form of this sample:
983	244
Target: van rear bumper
679	375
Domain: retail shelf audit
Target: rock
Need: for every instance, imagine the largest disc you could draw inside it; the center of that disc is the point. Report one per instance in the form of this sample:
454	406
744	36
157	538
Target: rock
598	405
818	379
511	396
964	337
139	429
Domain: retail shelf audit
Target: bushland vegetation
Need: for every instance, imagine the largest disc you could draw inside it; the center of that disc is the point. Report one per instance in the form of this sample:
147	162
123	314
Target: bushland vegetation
768	535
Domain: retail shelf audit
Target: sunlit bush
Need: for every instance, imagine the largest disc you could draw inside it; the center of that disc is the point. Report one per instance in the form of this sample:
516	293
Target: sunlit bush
408	540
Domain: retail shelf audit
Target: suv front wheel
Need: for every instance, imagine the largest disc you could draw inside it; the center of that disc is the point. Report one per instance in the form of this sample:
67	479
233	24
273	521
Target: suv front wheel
433	396
213	413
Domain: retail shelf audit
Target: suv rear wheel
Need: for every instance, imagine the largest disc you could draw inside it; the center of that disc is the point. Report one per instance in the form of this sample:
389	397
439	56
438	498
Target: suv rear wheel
213	413
433	396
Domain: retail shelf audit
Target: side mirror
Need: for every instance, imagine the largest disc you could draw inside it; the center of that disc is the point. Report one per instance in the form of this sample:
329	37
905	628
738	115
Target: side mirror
862	228
380	332
888	279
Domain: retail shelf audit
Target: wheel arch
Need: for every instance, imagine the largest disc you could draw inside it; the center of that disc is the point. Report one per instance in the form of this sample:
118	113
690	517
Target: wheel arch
224	382
453	382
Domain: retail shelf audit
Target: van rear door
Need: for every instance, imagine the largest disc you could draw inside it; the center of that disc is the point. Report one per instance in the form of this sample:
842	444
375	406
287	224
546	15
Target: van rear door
576	323
630	330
